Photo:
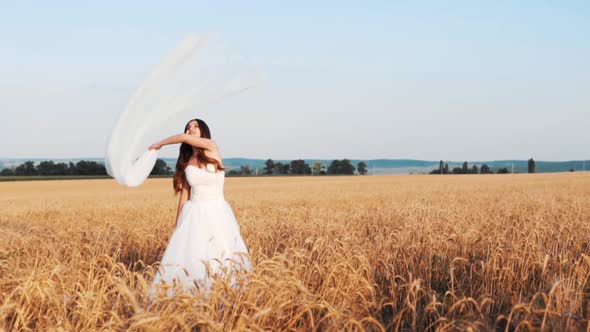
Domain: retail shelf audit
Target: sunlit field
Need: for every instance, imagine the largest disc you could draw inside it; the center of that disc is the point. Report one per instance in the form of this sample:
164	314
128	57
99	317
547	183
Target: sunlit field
405	252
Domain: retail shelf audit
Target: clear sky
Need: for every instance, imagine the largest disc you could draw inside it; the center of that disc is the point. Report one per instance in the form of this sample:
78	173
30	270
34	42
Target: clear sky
453	80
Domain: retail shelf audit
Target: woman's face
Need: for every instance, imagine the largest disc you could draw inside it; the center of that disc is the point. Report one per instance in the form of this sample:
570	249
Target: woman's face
193	128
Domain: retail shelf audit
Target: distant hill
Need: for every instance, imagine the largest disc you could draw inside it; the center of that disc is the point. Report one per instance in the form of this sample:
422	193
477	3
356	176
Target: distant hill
375	166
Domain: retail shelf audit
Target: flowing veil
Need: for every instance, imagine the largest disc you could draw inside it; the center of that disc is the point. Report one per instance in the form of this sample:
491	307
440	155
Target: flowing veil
199	71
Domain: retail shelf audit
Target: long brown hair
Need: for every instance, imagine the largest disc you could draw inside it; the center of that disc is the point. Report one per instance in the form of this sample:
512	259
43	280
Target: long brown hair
186	152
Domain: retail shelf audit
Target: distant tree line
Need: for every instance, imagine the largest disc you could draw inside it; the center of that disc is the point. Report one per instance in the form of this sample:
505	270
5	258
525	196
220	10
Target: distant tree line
295	167
93	168
82	167
300	167
443	168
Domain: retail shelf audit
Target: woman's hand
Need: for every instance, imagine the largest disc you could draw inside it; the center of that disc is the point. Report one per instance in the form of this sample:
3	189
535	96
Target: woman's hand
155	146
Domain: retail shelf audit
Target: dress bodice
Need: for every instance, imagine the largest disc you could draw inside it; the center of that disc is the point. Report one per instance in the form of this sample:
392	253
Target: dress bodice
206	183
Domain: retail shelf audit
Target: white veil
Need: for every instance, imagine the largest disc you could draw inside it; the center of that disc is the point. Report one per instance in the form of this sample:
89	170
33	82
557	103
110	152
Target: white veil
198	71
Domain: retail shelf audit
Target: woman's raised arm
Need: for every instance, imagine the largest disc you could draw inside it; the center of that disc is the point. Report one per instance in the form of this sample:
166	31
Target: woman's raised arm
193	140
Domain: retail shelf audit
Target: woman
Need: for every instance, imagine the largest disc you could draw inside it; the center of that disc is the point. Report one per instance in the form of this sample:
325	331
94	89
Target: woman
207	232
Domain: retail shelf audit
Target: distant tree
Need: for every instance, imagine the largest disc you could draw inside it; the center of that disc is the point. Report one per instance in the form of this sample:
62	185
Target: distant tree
46	168
27	169
474	170
347	167
84	167
278	169
361	167
531	166
341	167
503	170
269	167
285	169
334	167
72	169
30	168
458	170
485	169
571	170
161	168
233	172
281	168
299	166
7	172
51	168
245	170
443	168
61	169
318	167
465	168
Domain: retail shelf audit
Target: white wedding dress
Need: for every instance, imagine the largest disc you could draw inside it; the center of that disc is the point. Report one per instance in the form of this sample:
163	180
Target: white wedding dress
206	233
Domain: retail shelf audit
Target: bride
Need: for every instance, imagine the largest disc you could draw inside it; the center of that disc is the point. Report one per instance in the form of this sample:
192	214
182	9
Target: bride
207	238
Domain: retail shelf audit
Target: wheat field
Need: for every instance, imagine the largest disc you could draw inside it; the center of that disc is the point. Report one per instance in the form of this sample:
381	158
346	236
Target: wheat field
400	252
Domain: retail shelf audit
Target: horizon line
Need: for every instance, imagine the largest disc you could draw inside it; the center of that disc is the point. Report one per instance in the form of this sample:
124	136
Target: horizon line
361	159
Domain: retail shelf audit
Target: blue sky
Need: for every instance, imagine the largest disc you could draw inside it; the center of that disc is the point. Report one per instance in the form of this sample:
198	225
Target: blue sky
454	80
